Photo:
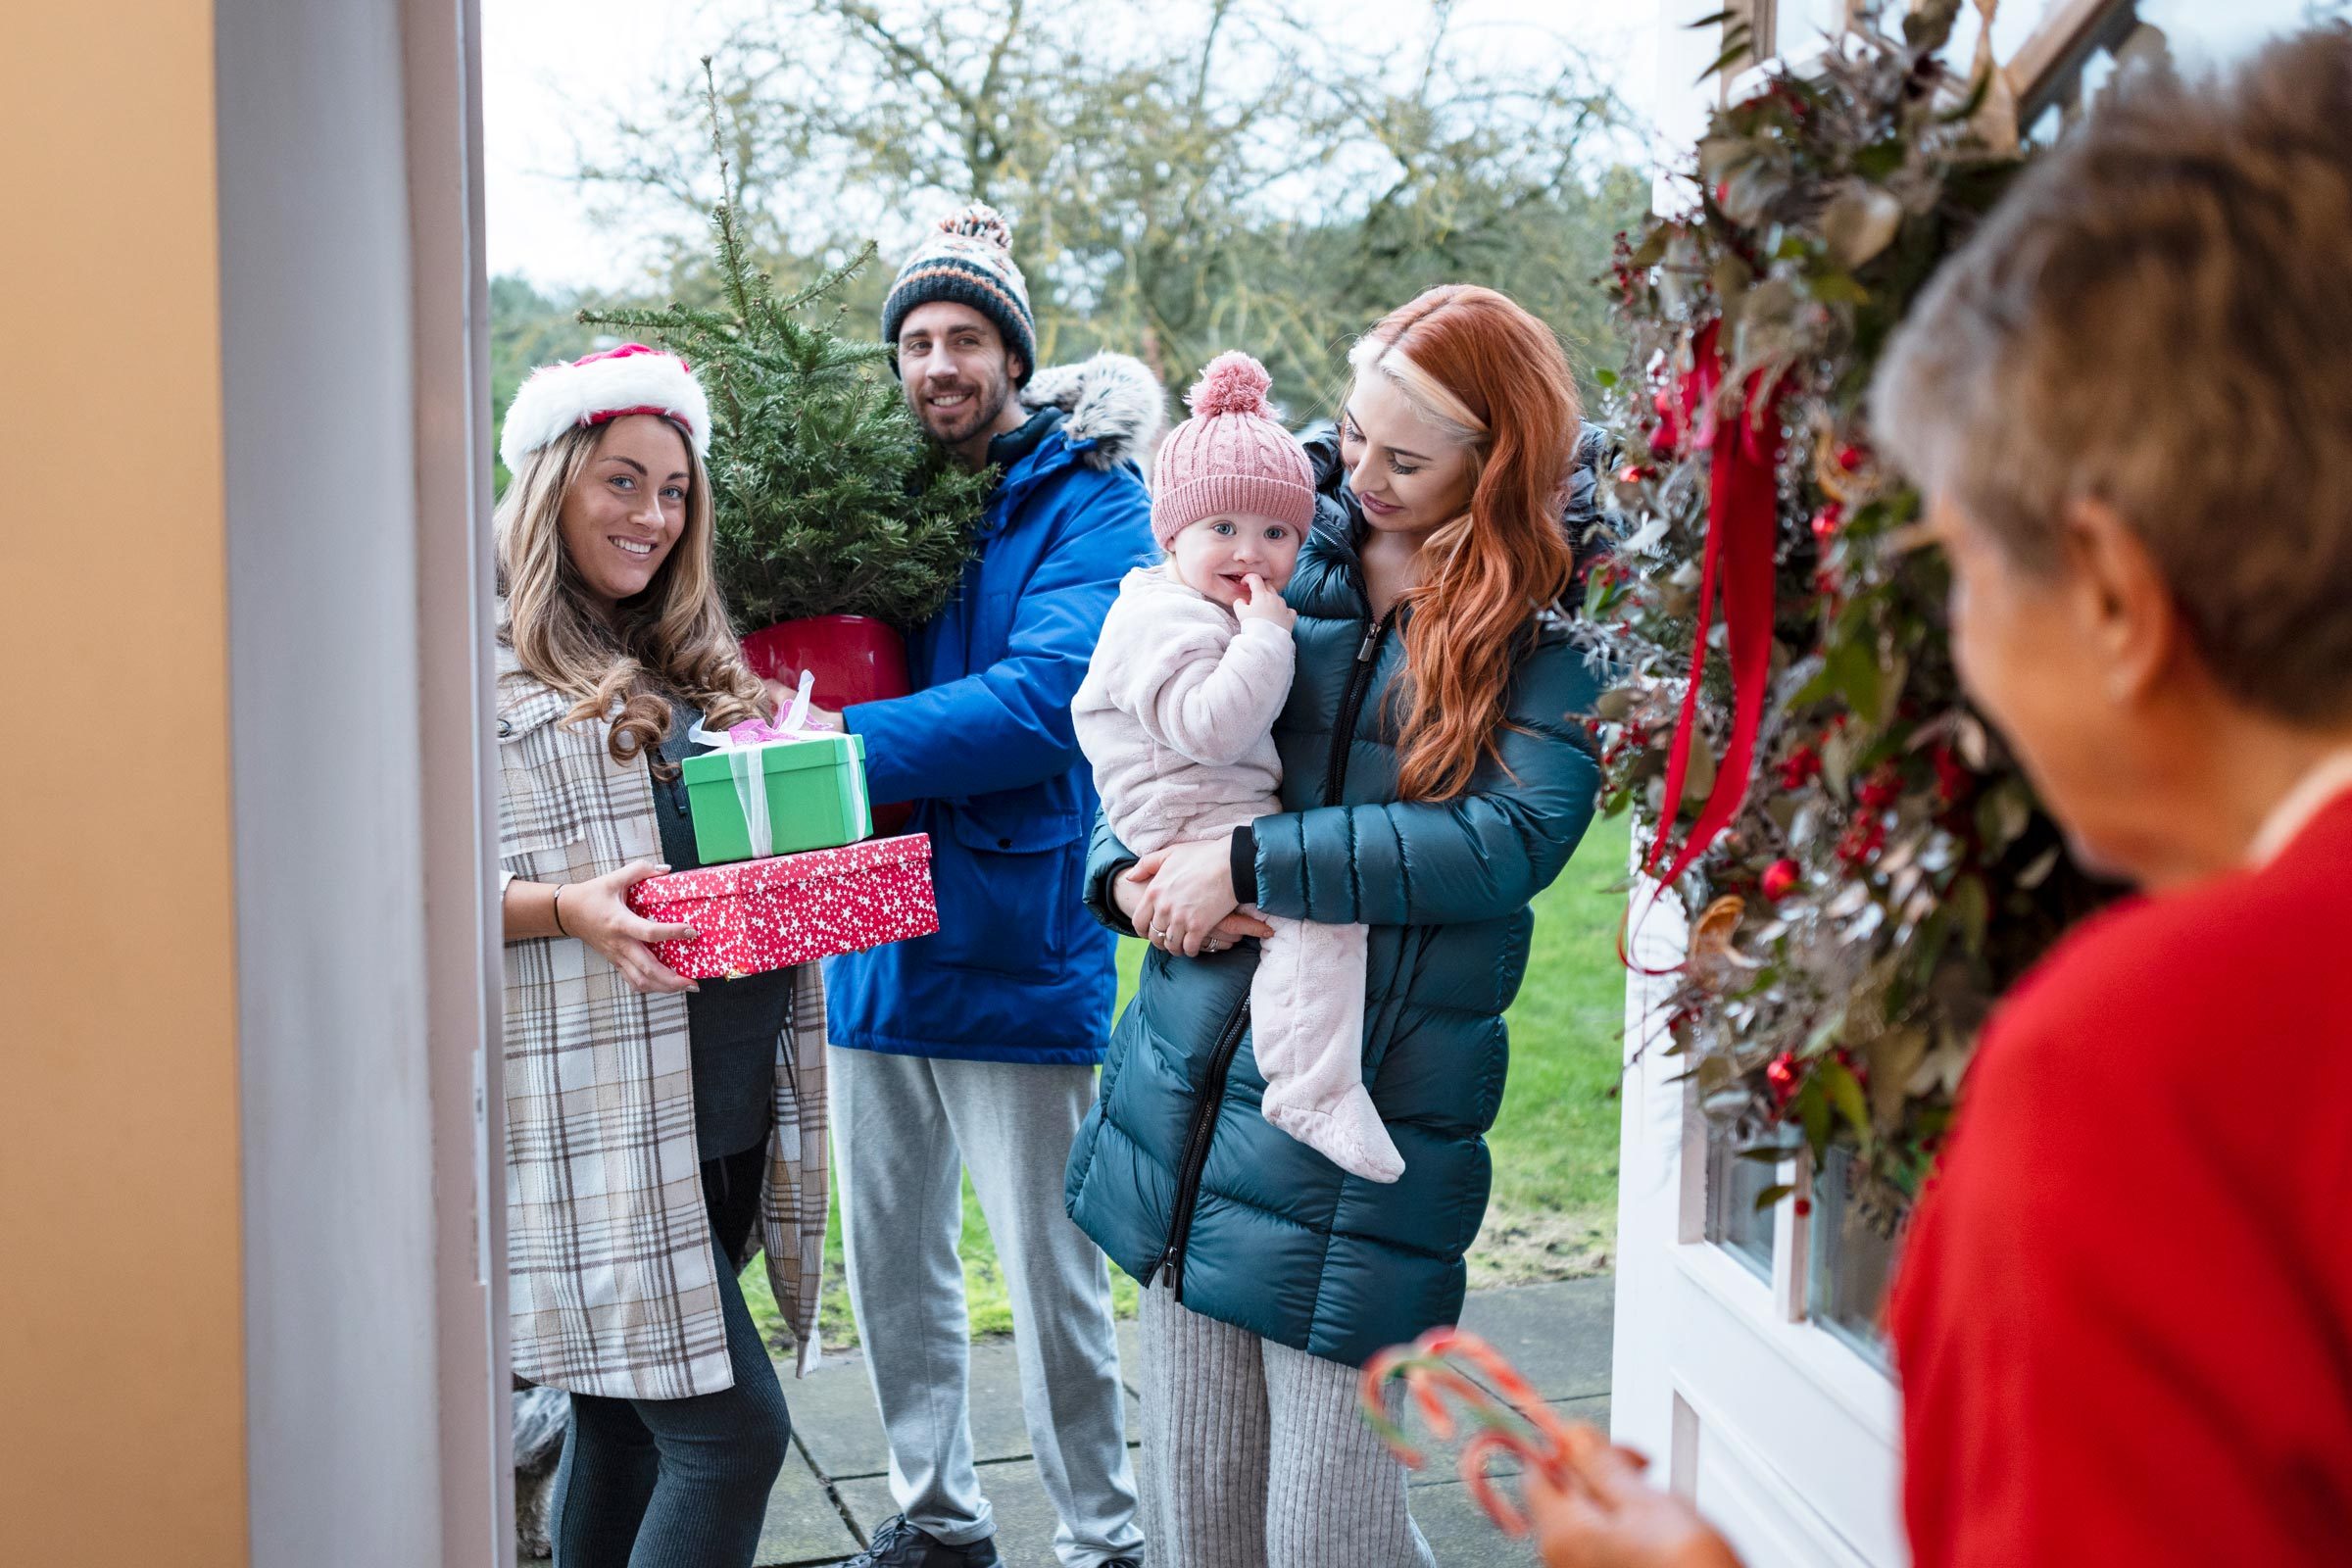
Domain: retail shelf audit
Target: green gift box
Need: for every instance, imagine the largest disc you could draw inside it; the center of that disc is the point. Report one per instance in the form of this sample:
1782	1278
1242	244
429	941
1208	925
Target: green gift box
778	798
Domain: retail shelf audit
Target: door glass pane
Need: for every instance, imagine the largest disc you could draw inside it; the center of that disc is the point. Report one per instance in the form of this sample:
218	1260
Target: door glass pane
2202	31
2012	25
1805	23
1733	1183
1853	1261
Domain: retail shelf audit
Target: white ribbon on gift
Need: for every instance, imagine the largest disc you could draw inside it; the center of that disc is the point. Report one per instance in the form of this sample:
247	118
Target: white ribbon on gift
742	744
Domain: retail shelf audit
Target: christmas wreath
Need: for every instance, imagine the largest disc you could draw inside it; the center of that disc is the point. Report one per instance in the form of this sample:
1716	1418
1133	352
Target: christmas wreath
1863	867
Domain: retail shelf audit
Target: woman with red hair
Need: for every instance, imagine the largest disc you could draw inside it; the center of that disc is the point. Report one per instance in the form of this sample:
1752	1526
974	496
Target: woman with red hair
1434	780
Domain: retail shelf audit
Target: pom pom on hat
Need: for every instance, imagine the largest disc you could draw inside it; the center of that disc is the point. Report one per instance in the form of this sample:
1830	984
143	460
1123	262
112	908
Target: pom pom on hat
980	220
1233	383
1232	457
597	387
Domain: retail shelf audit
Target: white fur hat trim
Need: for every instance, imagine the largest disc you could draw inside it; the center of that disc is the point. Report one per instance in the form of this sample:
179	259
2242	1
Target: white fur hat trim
629	379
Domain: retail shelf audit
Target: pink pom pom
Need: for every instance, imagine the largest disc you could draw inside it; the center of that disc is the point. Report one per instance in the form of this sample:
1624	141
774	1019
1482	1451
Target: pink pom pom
980	222
1233	383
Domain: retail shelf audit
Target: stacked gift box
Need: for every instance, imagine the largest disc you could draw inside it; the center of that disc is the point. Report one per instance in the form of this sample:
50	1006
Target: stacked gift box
790	869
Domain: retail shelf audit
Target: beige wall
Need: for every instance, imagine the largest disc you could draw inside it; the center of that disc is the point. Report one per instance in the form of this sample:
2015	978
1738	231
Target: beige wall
121	1375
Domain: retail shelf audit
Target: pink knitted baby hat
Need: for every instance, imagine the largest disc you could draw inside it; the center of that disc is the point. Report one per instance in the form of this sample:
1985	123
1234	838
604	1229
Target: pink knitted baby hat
1232	455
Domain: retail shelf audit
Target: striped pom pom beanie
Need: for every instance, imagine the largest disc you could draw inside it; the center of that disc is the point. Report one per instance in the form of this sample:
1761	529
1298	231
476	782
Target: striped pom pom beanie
1233	456
967	259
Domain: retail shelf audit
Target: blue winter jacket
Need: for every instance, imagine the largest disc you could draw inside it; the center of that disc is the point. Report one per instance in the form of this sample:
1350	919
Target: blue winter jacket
1020	971
1175	1171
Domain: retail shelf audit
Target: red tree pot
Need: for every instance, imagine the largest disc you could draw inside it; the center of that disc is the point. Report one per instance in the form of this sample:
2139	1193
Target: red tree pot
856	658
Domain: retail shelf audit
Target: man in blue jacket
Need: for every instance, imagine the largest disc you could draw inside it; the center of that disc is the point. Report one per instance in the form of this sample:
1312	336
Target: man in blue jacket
975	1048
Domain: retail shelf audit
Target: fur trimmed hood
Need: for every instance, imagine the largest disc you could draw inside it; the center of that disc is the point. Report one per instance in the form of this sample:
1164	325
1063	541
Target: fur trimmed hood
1112	400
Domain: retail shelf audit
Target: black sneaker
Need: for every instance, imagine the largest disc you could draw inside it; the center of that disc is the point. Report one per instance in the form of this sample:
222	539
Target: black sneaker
900	1545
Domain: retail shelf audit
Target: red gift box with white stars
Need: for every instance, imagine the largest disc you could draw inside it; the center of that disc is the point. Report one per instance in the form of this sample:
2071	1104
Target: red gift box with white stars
756	916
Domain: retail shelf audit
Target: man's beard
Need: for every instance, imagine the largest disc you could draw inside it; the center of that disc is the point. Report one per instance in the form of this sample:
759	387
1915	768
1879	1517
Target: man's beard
955	425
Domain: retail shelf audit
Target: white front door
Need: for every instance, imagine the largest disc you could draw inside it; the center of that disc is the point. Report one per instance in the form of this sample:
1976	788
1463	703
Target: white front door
1745	1363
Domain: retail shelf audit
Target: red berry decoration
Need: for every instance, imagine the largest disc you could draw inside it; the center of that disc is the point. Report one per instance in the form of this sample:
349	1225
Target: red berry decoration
1850	458
1801	767
1780	1073
1880	790
1861	842
1952	777
1779	877
1827	522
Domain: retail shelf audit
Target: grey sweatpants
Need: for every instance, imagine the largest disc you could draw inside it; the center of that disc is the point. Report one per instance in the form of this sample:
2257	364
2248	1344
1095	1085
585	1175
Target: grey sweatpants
1256	1455
905	1127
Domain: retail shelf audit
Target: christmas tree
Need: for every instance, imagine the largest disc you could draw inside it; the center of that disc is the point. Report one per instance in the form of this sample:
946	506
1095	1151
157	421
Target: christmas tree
828	499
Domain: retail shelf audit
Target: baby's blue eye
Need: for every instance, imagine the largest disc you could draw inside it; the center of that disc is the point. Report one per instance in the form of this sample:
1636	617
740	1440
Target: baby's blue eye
1278	534
1225	528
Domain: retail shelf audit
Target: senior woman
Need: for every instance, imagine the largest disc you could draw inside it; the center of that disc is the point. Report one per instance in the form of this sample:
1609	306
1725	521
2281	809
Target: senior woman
2123	1316
1436	782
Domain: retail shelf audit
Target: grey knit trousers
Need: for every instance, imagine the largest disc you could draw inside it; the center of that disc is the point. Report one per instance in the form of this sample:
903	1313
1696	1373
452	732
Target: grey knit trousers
907	1127
1255	1456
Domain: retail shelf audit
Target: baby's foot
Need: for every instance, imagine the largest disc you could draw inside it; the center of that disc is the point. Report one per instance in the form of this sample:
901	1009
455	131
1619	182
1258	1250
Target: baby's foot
1347	1132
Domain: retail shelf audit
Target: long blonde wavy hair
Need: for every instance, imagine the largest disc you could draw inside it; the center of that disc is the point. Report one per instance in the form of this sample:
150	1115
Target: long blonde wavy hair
673	637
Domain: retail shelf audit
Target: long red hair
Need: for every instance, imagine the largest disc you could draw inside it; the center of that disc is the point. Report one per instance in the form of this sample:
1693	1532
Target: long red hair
1490	570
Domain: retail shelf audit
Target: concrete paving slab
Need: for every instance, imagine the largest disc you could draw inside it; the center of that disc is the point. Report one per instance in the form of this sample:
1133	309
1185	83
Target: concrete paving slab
833	1411
833	1416
803	1524
1558	1335
1459	1533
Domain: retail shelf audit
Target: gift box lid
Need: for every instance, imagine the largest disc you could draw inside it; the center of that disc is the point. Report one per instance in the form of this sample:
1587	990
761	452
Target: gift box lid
781	871
829	749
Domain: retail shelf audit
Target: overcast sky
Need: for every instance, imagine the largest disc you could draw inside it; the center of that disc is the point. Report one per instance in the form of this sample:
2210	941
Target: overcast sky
557	72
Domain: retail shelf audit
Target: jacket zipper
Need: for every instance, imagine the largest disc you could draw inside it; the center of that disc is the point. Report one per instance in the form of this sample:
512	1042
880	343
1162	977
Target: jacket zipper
1203	1124
1195	1144
1359	679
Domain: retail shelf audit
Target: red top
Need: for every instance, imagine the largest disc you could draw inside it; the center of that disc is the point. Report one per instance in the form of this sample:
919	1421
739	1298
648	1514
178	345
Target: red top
2123	1320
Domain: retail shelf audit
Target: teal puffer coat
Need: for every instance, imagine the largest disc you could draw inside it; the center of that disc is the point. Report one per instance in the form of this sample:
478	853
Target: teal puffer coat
1175	1169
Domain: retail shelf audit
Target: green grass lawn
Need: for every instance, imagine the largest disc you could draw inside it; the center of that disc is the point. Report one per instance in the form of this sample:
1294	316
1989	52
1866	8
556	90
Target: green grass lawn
1553	1213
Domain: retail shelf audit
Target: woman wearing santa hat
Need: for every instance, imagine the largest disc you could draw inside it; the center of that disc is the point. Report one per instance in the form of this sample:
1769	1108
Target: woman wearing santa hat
653	1125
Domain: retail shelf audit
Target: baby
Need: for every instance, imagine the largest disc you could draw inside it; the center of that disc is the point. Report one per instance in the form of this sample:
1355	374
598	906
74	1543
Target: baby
1177	714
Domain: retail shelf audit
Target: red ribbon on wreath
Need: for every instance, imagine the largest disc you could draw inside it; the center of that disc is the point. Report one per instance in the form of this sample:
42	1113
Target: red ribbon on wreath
1742	527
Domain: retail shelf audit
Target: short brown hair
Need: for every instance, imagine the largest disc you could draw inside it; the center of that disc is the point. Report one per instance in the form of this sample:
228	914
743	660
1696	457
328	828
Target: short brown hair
2159	315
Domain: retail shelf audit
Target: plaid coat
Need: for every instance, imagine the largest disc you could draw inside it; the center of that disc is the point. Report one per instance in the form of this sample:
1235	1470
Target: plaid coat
611	1281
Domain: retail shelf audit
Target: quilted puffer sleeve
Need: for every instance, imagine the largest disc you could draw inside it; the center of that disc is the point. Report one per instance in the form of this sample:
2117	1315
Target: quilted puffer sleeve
1105	859
1477	857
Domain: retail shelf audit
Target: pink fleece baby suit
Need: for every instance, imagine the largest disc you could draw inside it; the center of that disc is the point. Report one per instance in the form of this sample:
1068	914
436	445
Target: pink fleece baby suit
1177	716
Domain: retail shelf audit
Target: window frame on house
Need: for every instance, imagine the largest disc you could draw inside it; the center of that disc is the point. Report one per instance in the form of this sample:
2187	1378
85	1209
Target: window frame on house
2044	69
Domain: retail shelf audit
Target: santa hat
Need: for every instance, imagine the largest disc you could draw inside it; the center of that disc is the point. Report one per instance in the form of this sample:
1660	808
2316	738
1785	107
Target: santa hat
594	387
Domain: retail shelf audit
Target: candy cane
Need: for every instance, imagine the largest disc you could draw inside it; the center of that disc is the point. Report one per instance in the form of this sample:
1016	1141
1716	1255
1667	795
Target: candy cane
1513	1420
